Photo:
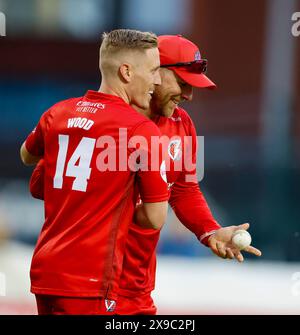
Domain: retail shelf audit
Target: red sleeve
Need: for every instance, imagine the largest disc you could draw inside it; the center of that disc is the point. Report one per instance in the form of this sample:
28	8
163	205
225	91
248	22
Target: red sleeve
35	141
151	175
192	210
36	184
188	202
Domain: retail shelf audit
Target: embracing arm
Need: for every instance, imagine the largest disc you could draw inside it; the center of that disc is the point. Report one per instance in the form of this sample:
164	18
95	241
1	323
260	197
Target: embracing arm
151	215
26	157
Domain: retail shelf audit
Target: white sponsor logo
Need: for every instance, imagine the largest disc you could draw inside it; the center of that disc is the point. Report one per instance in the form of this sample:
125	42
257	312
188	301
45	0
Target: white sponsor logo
89	107
90	104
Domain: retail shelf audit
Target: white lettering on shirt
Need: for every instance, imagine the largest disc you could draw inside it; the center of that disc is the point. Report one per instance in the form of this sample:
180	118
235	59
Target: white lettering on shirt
79	122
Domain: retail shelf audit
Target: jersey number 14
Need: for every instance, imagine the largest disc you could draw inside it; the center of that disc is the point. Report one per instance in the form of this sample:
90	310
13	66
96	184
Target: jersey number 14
81	171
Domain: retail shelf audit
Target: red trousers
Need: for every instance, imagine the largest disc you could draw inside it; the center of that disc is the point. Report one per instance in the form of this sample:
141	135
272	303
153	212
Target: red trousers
55	305
140	304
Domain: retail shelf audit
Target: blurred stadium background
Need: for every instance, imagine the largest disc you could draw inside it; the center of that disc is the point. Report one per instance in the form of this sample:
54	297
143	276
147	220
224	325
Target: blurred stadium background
251	126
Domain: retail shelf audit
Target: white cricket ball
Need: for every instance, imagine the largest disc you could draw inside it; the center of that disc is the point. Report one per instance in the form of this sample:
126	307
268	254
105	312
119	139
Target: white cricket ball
241	239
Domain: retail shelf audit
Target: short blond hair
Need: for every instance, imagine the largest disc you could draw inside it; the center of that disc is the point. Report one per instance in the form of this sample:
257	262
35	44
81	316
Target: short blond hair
118	43
128	39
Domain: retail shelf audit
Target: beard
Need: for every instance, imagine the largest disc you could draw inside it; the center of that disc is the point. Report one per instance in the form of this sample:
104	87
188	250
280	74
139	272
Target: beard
162	107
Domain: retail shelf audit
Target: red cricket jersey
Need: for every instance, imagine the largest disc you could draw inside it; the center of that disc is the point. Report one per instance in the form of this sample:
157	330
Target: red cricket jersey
187	201
87	211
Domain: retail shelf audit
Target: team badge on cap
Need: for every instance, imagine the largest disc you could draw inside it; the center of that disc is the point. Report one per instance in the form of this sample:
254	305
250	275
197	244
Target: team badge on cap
197	55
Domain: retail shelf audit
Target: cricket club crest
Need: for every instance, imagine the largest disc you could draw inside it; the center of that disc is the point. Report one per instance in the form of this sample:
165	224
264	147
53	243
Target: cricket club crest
174	150
110	305
197	55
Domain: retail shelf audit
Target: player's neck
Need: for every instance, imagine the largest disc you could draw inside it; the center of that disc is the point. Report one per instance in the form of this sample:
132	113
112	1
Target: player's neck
152	113
117	91
146	112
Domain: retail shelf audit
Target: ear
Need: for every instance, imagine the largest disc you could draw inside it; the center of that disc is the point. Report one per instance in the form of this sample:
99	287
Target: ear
126	72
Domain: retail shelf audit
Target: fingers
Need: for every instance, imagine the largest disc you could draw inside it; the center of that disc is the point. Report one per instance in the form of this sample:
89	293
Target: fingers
244	226
253	251
229	253
213	247
224	252
217	248
221	250
239	257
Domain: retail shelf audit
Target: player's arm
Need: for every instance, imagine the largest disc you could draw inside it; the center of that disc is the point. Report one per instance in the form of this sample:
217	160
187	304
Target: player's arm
36	183
186	198
153	190
151	215
32	149
191	208
26	157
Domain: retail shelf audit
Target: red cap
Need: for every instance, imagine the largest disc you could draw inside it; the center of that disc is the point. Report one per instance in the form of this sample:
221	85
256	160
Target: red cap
177	49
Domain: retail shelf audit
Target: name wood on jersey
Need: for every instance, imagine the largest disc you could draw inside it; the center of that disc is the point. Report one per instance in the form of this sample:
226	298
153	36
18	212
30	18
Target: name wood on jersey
79	122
